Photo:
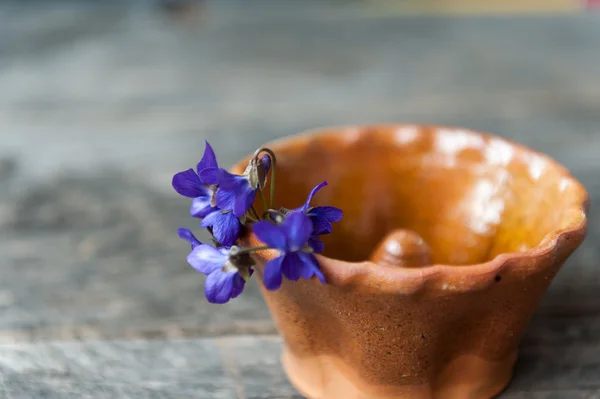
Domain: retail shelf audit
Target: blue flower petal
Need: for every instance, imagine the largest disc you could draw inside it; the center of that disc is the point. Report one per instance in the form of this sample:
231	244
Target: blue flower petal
266	161
312	193
272	274
208	176
188	236
321	216
331	213
201	207
226	227
209	159
297	227
218	287
206	259
316	245
234	193
291	266
311	267
225	199
238	285
320	225
187	183
229	181
270	234
244	198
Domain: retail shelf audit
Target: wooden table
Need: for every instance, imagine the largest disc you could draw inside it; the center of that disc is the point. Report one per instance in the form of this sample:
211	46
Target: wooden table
101	102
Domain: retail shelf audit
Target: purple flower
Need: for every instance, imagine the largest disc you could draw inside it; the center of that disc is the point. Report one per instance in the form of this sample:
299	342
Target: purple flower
316	245
225	227
290	238
266	163
203	205
226	271
209	160
237	192
189	184
321	218
188	236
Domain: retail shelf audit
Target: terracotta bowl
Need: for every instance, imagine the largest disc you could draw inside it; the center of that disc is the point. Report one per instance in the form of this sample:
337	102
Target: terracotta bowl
450	238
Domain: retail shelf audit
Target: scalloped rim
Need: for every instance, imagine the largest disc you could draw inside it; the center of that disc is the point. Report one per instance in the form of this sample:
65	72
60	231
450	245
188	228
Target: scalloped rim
372	277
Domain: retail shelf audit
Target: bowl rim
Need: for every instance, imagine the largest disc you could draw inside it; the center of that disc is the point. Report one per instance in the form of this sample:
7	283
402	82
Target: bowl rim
372	277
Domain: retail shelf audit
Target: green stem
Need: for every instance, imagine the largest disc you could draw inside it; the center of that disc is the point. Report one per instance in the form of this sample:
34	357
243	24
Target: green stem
262	198
272	198
256	214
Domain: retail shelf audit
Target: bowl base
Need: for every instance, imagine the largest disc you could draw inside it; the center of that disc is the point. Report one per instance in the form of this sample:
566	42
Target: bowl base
467	377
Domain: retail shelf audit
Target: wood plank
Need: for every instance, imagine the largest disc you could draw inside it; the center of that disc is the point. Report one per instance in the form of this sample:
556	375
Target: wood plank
248	367
93	125
230	368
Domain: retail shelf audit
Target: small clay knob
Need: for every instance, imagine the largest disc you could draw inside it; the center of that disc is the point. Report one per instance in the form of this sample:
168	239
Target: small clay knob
403	248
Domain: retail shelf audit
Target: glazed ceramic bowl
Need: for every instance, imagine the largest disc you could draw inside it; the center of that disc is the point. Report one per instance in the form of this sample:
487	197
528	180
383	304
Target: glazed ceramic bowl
437	308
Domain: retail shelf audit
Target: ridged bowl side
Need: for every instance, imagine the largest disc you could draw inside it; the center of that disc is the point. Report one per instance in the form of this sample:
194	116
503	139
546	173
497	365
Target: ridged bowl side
500	219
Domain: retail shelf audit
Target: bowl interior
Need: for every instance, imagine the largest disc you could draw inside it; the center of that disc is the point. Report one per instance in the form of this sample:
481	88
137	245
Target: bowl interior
470	196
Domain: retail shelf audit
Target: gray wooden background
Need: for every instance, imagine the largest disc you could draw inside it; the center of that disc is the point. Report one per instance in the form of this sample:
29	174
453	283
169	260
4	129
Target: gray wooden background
102	101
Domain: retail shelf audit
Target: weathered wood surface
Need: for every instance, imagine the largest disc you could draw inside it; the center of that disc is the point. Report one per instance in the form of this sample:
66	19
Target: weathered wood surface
100	102
226	368
558	366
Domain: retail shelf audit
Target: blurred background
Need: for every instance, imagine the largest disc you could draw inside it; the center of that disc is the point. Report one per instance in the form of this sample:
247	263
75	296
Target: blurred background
101	102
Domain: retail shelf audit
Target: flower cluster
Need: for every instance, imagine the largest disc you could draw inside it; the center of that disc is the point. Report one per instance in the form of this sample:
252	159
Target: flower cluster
225	204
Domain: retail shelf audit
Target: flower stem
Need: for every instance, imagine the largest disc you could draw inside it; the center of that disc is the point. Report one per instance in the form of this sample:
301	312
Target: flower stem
273	167
256	214
272	194
262	198
252	218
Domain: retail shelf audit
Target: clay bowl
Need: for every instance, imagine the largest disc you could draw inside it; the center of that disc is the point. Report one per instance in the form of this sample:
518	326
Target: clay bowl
437	308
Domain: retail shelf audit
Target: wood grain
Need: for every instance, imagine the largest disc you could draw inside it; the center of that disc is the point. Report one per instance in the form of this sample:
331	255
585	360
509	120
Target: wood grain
101	102
247	367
